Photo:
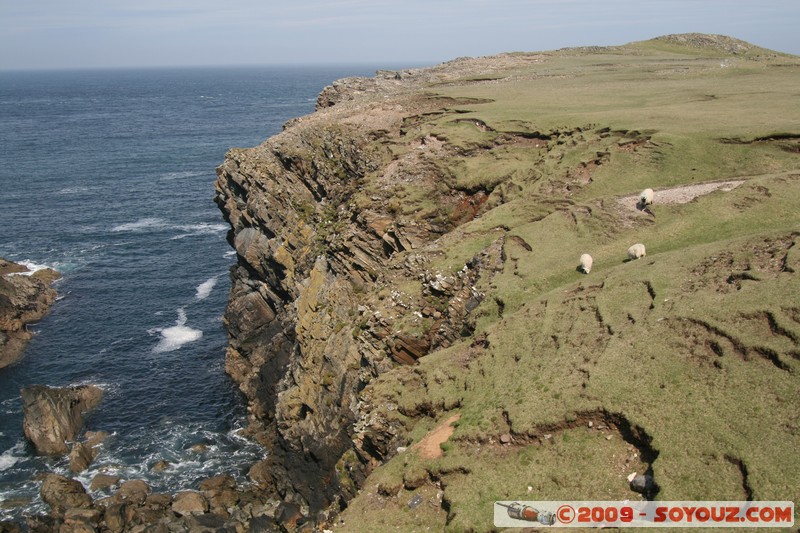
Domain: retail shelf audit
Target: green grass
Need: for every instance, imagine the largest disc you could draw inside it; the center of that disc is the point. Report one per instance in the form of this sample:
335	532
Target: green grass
697	345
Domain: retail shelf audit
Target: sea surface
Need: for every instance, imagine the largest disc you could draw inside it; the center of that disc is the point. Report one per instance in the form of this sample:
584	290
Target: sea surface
107	176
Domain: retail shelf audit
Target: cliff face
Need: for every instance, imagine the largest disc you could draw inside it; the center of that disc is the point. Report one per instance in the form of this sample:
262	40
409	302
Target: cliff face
322	295
442	212
23	299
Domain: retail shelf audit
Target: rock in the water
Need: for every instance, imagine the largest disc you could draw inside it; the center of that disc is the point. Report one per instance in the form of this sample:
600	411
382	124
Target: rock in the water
62	493
160	466
103	481
53	416
83	453
23	299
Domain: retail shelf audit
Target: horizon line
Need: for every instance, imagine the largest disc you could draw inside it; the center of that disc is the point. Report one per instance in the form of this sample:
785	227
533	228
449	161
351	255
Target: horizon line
389	65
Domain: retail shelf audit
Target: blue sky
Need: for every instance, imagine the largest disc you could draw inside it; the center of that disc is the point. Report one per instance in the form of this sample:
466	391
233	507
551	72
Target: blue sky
109	33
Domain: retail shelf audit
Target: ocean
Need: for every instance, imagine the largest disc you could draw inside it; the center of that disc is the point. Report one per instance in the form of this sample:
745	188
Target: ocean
107	176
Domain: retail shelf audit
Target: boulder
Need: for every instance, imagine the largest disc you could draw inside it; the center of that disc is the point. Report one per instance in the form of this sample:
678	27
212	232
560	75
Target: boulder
83	453
189	502
134	491
103	481
221	493
116	516
78	520
62	493
218	483
160	465
53	416
158	500
41	523
260	473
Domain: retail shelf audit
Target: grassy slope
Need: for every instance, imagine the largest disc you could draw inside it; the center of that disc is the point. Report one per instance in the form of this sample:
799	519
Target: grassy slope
696	347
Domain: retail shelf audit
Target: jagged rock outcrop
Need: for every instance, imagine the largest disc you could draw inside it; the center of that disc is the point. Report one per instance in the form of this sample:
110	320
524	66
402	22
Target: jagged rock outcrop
54	416
24	298
62	493
83	453
218	505
319	303
338	224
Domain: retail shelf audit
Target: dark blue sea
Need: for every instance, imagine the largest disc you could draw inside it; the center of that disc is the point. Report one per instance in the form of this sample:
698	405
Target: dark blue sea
107	176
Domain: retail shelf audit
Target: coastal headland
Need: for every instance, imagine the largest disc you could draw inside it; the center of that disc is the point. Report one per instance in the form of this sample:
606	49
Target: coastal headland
25	297
414	333
409	252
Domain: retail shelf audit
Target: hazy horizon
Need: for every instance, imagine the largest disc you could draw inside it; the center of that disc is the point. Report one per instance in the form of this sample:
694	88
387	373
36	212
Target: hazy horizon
93	34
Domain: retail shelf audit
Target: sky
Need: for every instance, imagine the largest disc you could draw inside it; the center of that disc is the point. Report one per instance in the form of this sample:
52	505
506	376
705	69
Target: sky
47	34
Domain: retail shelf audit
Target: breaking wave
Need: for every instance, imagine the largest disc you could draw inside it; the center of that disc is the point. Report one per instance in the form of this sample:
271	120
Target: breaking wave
153	224
205	288
12	456
32	267
176	336
143	224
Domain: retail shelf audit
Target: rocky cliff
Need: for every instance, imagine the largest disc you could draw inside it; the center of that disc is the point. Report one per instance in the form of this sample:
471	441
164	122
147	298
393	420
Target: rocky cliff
24	298
442	212
332	285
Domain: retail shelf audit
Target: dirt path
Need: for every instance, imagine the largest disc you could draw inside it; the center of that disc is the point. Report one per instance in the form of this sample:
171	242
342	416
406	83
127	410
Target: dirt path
430	445
682	195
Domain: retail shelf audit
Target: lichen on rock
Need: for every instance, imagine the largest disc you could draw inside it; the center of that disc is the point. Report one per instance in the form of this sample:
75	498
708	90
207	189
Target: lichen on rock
53	417
319	245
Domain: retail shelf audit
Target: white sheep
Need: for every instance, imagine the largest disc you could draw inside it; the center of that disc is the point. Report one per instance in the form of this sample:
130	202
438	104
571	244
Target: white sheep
586	263
646	198
636	251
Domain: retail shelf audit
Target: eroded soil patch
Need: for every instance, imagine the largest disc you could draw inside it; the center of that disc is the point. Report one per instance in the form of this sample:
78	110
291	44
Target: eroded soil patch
430	445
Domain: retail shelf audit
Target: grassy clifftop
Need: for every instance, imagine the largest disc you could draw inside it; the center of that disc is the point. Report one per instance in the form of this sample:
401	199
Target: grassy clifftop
683	364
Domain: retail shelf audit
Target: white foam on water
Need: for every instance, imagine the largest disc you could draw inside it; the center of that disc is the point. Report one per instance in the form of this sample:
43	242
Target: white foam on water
12	456
143	224
203	228
76	189
176	336
31	266
159	224
205	288
230	253
181	174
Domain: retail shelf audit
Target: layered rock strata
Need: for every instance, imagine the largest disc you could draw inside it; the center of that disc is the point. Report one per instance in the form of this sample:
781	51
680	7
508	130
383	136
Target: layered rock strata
24	298
53	417
333	284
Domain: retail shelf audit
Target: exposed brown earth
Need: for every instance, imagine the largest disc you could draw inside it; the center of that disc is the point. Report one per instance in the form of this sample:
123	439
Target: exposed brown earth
430	447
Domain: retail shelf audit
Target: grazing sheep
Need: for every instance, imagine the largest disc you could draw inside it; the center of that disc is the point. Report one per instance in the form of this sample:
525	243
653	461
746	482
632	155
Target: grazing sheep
646	198
586	263
636	251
